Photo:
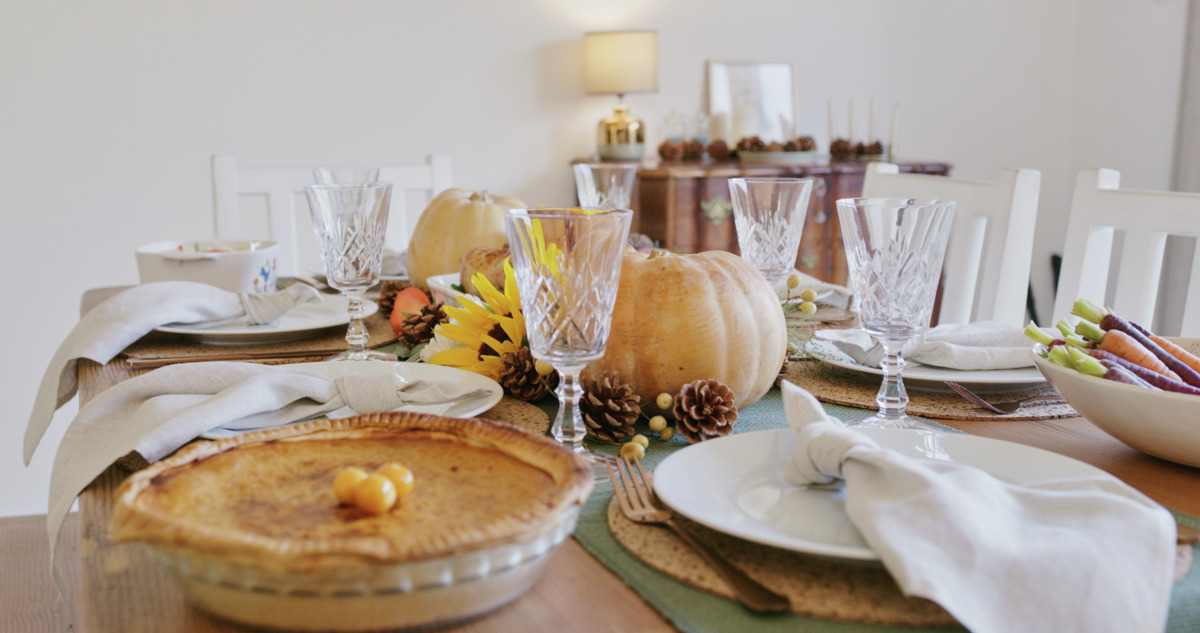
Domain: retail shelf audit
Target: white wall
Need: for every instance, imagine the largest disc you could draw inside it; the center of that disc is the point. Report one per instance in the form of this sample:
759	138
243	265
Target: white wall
110	111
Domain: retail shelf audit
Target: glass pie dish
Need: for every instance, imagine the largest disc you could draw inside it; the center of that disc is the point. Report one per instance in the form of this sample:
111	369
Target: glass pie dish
251	530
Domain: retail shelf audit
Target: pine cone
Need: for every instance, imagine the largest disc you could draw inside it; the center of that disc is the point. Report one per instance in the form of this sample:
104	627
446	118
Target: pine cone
387	295
670	151
841	149
718	150
520	378
609	408
693	150
418	327
704	409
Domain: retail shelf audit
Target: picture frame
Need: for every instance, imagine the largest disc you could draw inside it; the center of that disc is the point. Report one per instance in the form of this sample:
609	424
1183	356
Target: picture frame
752	99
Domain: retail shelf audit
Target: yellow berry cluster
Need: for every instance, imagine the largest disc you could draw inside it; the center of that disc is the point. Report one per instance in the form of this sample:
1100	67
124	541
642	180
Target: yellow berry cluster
373	493
807	297
637	445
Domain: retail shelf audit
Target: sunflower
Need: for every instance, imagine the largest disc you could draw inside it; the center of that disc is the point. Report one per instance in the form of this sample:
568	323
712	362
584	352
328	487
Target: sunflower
487	332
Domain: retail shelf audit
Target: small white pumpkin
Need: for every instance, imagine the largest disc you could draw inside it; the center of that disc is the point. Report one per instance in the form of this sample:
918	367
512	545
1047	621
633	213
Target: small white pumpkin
456	221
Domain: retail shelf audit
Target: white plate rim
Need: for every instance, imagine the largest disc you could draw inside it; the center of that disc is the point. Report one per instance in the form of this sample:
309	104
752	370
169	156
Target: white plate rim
337	369
926	375
679	485
302	319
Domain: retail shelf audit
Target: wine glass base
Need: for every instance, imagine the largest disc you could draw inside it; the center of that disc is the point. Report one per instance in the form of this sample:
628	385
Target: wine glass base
598	463
903	422
367	355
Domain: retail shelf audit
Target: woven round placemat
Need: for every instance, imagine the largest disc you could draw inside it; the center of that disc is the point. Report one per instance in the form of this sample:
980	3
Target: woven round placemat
520	414
816	587
843	386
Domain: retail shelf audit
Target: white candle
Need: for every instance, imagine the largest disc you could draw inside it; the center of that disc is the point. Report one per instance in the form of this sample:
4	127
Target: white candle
830	108
850	120
895	126
871	121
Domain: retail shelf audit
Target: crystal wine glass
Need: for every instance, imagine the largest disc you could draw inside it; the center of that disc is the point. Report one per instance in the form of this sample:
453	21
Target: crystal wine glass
769	216
345	175
605	185
350	221
894	249
567	264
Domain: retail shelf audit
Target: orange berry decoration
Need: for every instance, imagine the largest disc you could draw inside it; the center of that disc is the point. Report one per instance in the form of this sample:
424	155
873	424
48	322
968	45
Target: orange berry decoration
375	495
345	483
400	476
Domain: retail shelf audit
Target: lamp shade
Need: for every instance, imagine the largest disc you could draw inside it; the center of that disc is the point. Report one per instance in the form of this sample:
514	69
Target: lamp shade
620	62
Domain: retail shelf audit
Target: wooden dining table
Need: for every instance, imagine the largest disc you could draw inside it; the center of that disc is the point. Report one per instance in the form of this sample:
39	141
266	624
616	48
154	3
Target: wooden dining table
117	588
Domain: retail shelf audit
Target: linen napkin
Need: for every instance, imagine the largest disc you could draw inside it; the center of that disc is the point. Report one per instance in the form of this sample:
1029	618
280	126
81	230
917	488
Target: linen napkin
980	345
126	317
1085	554
156	413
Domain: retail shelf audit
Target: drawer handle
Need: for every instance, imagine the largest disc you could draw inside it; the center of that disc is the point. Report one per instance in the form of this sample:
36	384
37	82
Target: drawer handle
716	209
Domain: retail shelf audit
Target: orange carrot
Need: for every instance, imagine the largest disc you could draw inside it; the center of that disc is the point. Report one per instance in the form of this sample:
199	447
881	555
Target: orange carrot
1125	346
1178	352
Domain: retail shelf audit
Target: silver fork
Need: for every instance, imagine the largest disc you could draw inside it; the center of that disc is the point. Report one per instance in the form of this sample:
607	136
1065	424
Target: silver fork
1002	407
635	494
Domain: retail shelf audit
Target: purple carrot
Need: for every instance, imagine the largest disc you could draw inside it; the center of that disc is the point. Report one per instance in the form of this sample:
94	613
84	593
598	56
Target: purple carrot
1120	374
1152	377
1186	373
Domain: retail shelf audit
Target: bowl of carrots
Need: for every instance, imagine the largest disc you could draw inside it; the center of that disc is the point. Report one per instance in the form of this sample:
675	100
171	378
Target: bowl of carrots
1141	388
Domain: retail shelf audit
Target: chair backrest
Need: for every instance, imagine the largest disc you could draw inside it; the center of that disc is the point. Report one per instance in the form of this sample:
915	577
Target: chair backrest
287	218
1099	208
986	271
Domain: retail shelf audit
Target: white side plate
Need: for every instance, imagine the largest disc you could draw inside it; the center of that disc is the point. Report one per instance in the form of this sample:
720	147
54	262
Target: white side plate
303	321
928	378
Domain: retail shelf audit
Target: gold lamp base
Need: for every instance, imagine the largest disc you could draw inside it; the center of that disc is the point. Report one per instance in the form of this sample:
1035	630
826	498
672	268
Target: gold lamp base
620	136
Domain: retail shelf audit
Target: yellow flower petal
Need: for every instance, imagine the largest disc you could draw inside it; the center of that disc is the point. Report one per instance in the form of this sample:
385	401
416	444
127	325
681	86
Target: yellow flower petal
469	319
489	366
456	357
460	334
511	291
513	327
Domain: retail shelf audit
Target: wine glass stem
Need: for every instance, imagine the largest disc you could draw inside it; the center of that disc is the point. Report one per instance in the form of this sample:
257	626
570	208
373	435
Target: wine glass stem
568	428
892	397
356	335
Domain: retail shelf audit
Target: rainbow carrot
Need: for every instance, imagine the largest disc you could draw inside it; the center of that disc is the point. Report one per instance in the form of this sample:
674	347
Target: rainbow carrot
1121	344
1186	357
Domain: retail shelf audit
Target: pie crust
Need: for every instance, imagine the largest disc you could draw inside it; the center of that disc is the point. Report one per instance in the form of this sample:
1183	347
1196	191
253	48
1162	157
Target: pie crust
252	530
267	497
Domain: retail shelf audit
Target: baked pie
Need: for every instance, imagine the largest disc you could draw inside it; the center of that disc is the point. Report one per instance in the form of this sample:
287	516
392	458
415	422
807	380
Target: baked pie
253	531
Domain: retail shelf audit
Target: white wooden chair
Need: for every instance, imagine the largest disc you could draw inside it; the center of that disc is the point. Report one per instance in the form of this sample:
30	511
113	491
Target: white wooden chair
286	212
1099	208
986	271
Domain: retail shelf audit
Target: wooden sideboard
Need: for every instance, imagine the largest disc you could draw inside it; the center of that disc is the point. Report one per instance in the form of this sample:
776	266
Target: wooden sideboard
685	206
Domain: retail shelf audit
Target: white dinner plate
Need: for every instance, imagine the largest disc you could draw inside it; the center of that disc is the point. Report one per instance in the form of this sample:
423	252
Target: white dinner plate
929	378
408	372
734	485
303	321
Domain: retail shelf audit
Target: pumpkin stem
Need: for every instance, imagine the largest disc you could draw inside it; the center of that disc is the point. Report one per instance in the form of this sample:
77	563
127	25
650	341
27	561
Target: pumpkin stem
476	196
657	252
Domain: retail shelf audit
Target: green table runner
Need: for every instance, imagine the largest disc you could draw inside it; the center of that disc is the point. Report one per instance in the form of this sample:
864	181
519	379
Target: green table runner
696	611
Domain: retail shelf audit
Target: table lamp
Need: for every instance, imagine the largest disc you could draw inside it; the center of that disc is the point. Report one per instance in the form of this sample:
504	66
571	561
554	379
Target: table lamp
620	62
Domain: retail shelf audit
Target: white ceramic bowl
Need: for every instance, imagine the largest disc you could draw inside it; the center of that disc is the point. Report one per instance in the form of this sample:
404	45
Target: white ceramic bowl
1159	423
234	265
442	289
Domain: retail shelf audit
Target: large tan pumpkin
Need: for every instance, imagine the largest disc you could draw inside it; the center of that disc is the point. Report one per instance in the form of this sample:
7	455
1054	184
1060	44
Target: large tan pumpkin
456	221
680	318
